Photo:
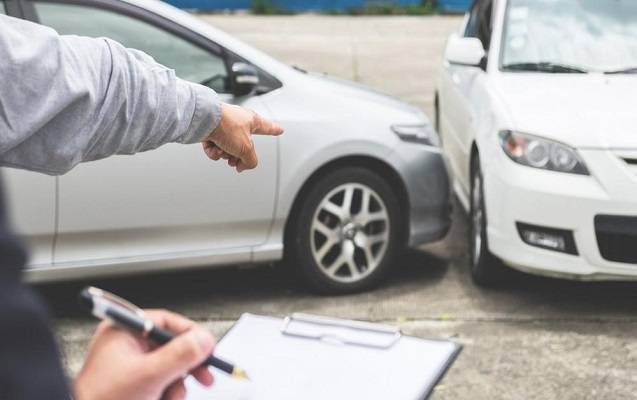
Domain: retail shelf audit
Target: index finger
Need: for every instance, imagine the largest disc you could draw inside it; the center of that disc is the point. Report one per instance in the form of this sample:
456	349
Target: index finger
263	126
169	320
179	324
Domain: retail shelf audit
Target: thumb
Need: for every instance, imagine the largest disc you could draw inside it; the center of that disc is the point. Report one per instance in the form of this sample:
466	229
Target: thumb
182	354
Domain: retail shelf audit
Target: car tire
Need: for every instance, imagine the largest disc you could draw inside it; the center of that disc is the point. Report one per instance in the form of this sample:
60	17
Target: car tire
486	269
331	243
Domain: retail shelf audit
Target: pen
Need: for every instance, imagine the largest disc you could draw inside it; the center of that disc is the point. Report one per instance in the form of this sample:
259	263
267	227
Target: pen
105	305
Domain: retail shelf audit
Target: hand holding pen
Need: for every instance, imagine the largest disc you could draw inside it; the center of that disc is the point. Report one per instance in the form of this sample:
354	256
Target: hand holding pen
156	372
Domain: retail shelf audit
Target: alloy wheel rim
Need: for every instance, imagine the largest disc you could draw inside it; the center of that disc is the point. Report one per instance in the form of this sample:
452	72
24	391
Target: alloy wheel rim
350	232
477	219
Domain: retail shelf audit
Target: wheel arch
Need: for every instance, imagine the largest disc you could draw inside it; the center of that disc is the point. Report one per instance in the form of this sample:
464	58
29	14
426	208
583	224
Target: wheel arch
374	164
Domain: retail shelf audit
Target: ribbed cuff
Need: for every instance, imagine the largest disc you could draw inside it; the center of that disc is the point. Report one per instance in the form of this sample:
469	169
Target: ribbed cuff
207	114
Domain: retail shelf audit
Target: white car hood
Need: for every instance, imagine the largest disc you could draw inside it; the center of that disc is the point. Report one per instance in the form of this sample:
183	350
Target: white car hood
584	111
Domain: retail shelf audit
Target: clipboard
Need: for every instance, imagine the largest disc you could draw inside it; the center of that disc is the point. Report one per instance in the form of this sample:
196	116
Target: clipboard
318	358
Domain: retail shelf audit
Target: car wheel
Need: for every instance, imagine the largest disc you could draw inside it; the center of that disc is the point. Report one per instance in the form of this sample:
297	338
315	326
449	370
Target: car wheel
486	269
347	232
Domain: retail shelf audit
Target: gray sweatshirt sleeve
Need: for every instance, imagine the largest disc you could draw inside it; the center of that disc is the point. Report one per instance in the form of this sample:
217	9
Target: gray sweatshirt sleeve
69	99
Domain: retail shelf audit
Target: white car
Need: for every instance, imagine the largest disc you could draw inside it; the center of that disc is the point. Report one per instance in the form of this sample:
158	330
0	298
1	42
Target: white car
537	111
356	177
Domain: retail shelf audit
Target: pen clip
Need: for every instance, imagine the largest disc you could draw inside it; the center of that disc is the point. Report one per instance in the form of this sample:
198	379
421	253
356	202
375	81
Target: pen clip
100	294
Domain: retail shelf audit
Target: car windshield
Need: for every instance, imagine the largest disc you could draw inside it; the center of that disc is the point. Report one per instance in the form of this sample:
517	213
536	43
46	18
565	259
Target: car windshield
570	36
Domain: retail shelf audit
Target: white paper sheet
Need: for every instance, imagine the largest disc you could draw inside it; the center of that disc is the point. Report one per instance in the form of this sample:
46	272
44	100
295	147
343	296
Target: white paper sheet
289	368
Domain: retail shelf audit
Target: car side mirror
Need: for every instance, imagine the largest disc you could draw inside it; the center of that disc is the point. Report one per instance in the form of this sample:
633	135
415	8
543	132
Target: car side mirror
466	51
245	79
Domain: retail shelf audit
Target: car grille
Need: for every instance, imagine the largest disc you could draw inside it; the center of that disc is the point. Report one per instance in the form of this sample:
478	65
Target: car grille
617	238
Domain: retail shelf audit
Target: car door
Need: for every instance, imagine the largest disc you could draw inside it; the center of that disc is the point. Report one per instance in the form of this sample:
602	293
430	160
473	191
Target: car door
458	85
30	196
171	201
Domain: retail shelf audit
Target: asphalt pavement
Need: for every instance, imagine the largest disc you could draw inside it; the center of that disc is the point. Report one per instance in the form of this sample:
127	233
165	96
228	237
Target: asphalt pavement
534	338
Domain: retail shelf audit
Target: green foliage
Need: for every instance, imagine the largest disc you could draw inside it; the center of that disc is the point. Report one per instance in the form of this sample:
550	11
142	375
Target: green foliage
391	8
371	7
427	7
267	7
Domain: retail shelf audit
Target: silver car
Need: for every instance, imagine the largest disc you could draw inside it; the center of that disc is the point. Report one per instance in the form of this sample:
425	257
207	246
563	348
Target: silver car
356	177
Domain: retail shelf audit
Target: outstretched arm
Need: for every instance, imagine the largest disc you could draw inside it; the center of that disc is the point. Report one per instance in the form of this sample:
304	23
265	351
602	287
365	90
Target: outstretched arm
69	99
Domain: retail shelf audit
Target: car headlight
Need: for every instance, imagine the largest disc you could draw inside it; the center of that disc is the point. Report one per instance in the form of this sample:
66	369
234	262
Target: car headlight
417	133
537	152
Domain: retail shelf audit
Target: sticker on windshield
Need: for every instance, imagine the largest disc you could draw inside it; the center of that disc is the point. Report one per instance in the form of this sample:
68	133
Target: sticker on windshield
519	13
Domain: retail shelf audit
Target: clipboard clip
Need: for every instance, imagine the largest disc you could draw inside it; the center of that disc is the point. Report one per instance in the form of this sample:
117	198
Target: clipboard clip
340	331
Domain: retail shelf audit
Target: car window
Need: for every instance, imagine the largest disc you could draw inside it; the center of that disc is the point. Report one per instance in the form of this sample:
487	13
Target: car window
582	35
189	61
484	24
3	10
472	25
479	24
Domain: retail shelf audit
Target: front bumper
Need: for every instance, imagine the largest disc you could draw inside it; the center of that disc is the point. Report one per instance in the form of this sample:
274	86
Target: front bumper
424	171
518	194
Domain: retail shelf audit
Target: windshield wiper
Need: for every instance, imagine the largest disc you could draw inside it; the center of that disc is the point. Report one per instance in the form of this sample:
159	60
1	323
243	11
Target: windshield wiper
544	67
631	70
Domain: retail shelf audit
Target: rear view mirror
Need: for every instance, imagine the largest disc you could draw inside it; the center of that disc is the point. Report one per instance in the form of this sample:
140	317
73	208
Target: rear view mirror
464	51
245	79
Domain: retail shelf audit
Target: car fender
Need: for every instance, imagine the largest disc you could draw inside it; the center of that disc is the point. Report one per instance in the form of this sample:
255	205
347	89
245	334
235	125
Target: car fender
306	165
